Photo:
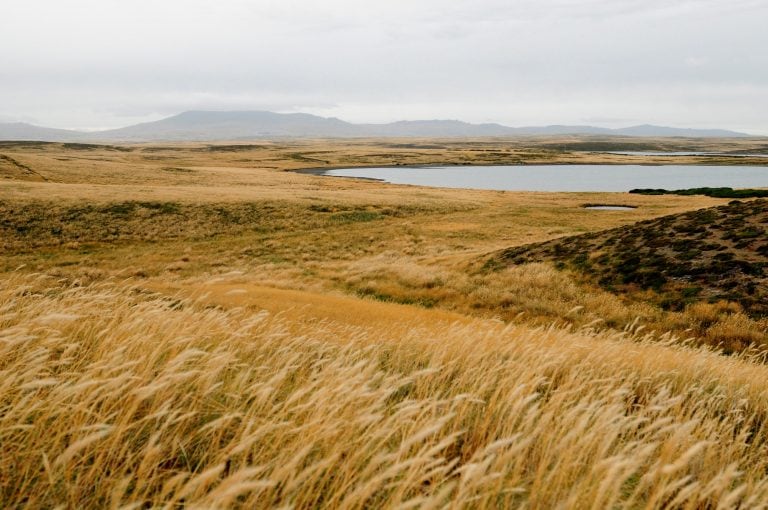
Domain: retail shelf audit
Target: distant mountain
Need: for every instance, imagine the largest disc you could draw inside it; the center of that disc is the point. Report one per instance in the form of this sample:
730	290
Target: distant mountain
565	130
246	125
202	126
21	131
649	130
436	128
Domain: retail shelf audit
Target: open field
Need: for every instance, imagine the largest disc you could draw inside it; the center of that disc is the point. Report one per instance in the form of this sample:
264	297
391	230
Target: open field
194	325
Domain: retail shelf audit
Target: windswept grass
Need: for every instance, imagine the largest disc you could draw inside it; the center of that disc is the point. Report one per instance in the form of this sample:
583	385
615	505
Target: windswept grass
114	398
392	369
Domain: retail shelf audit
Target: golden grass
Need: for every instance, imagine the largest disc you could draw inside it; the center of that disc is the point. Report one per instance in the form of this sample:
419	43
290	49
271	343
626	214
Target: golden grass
192	326
205	210
115	398
184	213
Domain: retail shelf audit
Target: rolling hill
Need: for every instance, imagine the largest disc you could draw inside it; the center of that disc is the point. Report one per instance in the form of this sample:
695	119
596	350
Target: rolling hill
708	255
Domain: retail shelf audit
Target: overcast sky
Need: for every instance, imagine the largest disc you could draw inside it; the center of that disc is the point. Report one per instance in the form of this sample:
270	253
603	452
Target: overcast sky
108	63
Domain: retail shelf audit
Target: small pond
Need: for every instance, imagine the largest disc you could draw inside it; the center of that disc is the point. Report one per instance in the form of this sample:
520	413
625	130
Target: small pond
610	207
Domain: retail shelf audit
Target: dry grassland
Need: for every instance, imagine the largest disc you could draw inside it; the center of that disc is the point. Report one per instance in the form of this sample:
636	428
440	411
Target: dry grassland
115	398
193	326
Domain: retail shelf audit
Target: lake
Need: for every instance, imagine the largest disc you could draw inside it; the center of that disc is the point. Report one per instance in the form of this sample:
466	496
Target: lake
565	177
693	153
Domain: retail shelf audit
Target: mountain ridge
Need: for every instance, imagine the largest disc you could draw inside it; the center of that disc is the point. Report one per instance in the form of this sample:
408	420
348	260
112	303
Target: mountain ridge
202	125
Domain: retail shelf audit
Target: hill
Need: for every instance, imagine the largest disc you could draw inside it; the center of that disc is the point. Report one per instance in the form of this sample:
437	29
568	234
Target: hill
18	131
709	255
202	125
651	130
247	125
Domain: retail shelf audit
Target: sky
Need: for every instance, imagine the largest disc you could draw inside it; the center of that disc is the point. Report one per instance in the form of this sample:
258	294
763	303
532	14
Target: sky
92	64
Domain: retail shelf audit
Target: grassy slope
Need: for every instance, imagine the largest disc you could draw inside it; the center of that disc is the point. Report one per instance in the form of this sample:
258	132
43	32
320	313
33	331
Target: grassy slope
115	397
707	256
139	365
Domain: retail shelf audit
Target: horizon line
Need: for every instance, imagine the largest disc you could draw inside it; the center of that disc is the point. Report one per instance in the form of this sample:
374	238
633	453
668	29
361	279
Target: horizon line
543	125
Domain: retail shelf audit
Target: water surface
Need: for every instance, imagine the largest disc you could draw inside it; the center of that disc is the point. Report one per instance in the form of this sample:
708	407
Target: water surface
610	207
683	153
566	177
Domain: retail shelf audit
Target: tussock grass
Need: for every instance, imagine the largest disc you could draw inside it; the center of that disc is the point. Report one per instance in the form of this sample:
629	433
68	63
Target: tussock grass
114	398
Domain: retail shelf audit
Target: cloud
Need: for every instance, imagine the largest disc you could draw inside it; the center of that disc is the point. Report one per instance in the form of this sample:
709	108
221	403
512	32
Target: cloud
105	62
696	62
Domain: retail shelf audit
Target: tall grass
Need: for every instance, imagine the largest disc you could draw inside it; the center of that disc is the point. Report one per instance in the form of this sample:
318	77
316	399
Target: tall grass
114	398
537	293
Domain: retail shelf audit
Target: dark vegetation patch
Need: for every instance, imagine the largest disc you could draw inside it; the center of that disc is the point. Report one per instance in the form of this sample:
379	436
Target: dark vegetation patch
355	216
709	255
36	224
81	146
167	148
25	144
302	157
178	170
601	146
95	146
233	148
413	146
708	192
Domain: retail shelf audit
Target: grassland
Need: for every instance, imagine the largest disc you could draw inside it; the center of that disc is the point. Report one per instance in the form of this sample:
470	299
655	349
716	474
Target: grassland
192	325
